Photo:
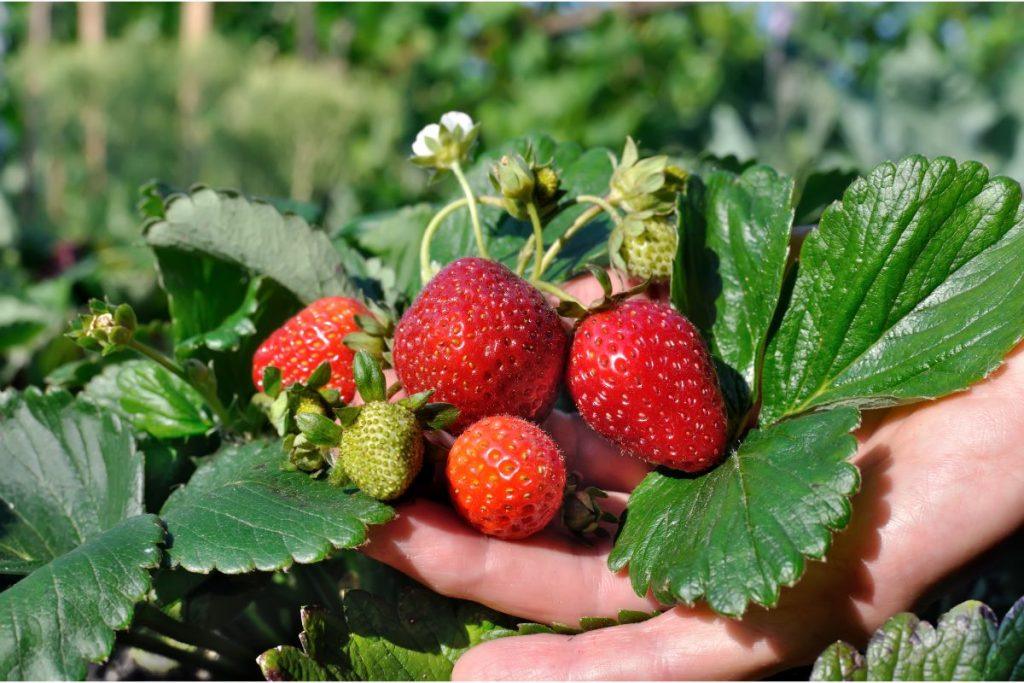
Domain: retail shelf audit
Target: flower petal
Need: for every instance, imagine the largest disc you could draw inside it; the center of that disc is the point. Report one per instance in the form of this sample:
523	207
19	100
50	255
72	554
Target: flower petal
457	120
419	146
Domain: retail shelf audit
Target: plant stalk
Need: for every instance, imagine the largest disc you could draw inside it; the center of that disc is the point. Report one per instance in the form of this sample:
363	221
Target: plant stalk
190	634
558	292
210	397
538	240
599	205
191	658
474	215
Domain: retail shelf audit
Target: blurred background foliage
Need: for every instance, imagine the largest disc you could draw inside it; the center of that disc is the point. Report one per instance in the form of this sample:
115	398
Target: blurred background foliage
318	102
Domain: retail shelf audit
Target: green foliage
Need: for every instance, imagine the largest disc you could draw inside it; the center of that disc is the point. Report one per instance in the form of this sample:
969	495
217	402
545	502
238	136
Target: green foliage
71	472
418	635
242	511
83	543
968	644
911	288
740	532
62	615
151	398
734	237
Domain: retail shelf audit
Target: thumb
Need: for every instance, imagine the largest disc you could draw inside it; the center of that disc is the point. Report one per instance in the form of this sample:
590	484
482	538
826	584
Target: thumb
681	643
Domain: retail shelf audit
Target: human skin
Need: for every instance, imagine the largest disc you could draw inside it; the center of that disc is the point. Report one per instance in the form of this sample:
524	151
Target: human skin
942	483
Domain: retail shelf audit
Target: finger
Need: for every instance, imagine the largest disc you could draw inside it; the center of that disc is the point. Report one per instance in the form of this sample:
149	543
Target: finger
599	461
430	543
682	643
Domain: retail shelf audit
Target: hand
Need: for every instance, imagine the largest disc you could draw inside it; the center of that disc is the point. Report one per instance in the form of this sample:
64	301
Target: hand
942	482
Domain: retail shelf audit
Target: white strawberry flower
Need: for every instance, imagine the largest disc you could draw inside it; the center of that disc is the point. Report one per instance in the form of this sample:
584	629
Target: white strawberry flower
442	145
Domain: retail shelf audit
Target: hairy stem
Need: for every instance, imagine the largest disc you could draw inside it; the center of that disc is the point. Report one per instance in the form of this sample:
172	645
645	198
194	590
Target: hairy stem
190	634
428	235
599	205
210	396
435	224
193	659
558	292
474	215
538	240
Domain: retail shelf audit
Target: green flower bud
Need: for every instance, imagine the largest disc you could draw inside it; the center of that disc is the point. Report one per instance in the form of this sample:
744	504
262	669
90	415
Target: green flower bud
513	178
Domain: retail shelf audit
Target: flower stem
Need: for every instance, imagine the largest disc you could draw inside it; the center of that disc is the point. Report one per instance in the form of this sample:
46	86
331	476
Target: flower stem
428	235
474	215
209	395
435	224
538	240
599	204
558	292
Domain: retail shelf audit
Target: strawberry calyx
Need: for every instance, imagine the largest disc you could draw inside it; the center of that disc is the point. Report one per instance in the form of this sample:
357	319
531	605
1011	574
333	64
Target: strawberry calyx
322	430
581	512
575	309
375	335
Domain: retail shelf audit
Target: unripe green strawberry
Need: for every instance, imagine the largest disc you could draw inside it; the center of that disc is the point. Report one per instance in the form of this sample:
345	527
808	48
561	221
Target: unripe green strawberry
382	451
649	247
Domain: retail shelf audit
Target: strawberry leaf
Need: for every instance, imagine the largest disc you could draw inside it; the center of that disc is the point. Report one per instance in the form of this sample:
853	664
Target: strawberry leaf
967	645
70	514
416	636
254	235
740	532
70	472
151	398
734	237
242	510
912	287
64	614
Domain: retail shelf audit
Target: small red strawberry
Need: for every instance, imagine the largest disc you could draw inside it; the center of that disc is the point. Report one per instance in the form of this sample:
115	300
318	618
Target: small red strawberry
506	477
641	375
485	340
314	335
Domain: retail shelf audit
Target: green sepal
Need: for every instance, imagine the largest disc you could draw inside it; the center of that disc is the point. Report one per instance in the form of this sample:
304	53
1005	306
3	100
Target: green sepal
347	415
416	401
438	416
271	381
369	378
319	377
318	429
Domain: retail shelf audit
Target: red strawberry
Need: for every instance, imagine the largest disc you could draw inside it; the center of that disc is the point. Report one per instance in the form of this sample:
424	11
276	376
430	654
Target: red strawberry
641	375
506	477
485	340
312	336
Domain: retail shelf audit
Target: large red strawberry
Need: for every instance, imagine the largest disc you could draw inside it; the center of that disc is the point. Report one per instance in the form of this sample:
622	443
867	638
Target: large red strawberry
314	335
506	477
485	340
641	375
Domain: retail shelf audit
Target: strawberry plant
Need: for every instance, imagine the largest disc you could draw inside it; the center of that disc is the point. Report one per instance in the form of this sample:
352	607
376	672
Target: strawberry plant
192	483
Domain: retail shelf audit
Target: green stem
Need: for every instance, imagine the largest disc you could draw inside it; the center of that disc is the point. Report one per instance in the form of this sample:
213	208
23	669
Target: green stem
538	240
190	634
599	205
558	292
210	396
192	658
474	215
603	203
428	235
